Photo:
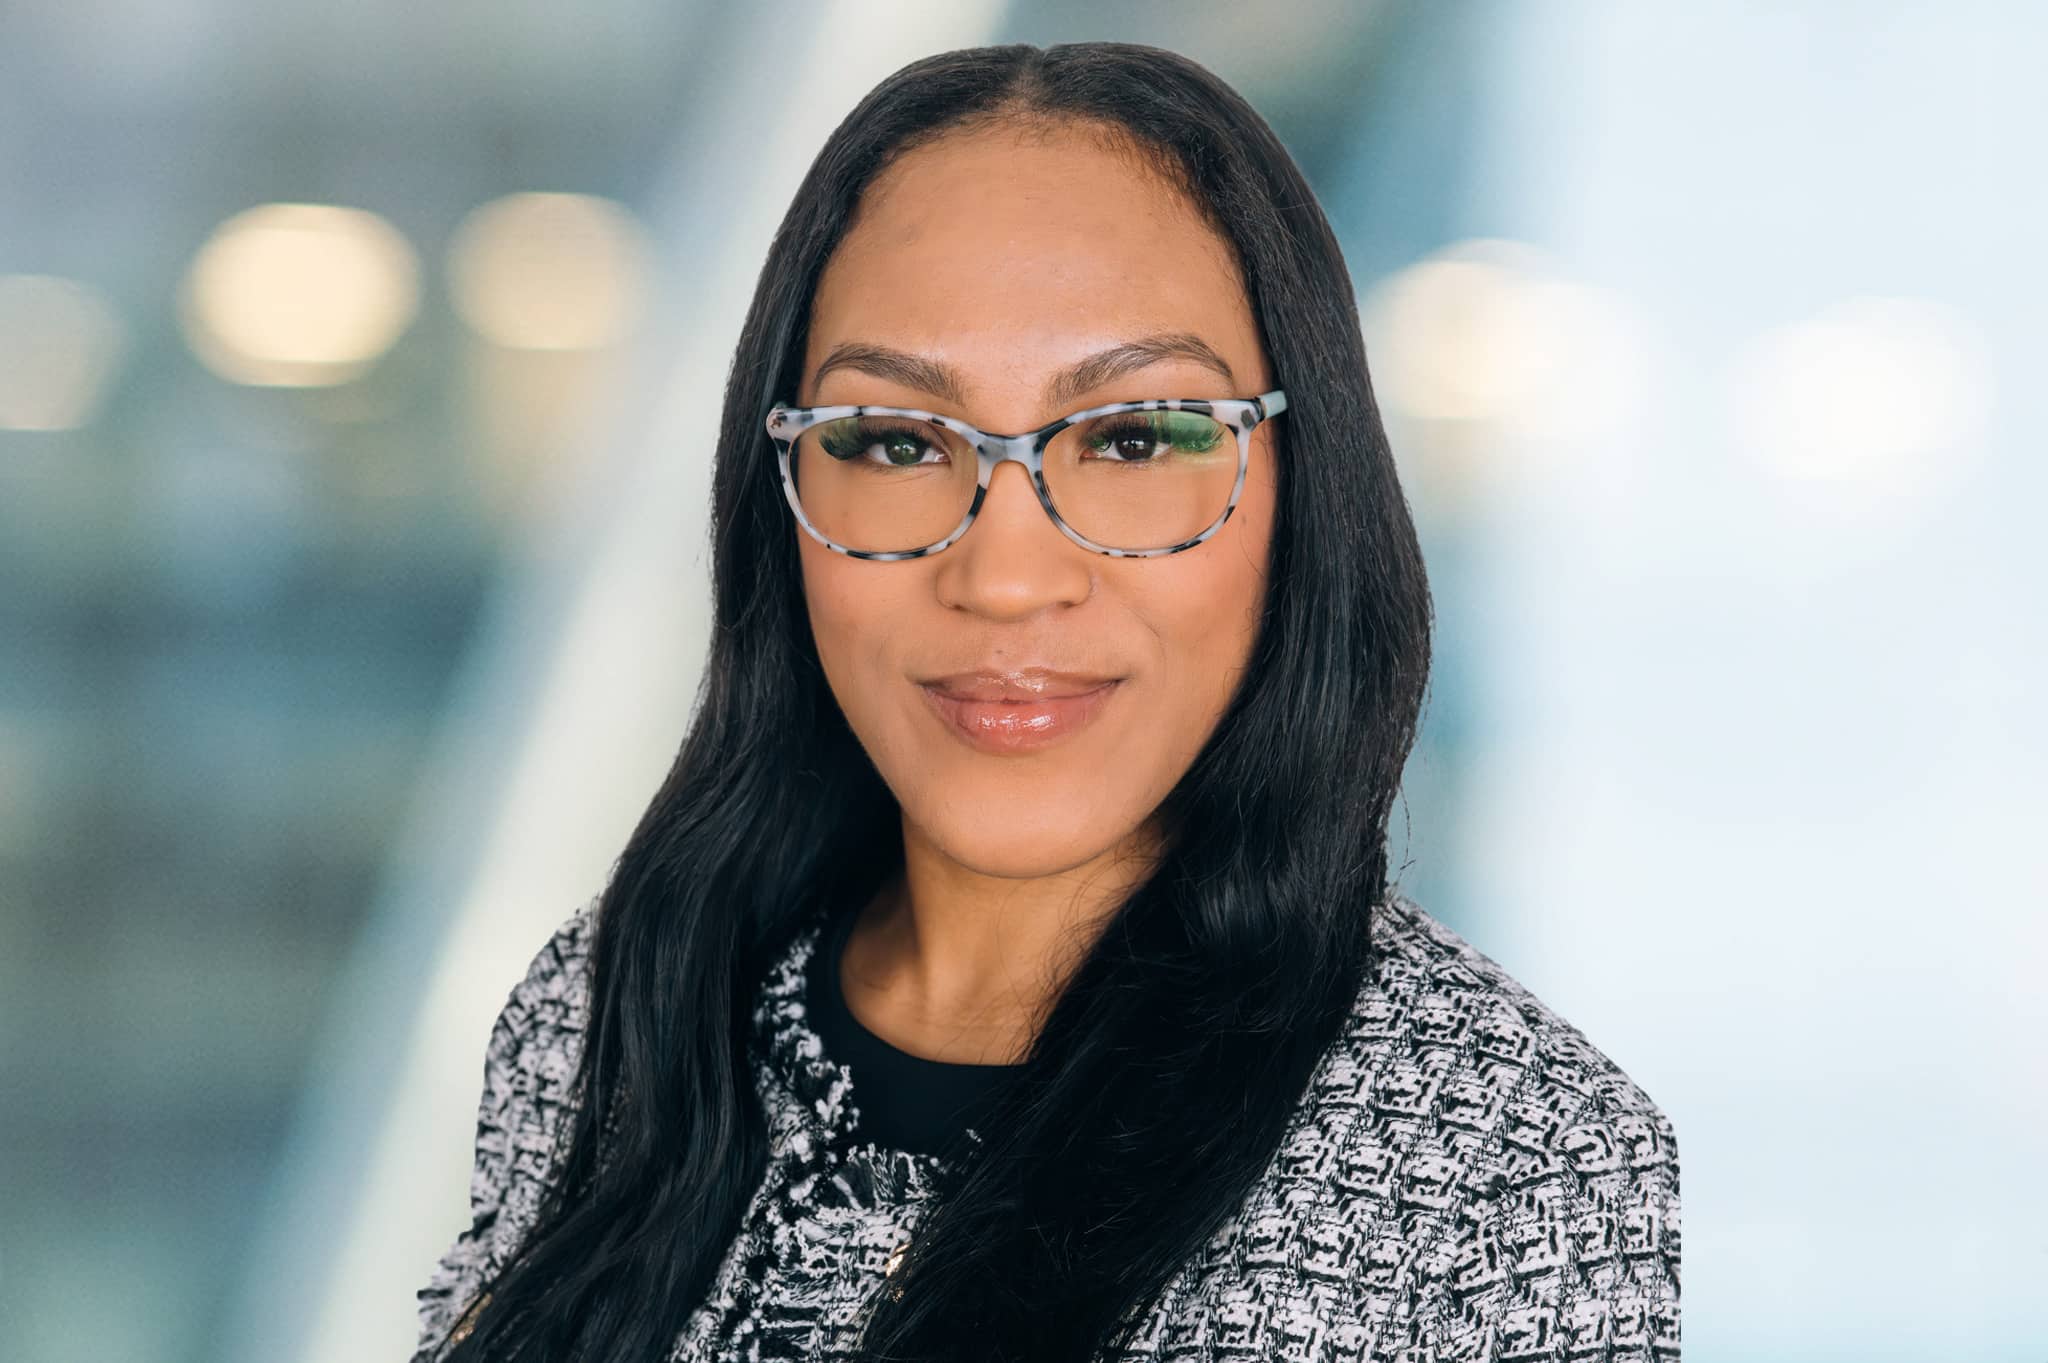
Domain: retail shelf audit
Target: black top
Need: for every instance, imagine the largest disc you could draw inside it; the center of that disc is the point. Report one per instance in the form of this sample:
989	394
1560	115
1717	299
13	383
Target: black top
906	1102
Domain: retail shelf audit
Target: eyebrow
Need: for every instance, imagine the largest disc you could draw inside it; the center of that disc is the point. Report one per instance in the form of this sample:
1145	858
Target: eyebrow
1063	389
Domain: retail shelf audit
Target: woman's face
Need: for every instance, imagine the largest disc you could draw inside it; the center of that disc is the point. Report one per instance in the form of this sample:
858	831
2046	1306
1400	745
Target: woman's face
1008	260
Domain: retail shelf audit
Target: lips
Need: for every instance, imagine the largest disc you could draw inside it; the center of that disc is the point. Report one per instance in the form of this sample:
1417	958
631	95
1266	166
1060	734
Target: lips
1017	711
1021	684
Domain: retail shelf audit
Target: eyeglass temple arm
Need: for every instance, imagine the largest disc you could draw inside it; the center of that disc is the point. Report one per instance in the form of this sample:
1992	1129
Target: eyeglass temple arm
1271	404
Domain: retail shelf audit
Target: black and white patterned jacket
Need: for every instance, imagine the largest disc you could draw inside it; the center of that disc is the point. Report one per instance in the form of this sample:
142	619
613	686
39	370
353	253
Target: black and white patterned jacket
1465	1178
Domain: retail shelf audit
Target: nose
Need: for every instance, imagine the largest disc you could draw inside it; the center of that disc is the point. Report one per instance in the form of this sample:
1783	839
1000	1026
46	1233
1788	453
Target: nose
1012	496
1013	561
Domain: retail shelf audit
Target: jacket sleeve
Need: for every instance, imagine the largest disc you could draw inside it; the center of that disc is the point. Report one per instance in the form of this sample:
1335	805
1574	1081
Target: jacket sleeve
529	1063
1574	1252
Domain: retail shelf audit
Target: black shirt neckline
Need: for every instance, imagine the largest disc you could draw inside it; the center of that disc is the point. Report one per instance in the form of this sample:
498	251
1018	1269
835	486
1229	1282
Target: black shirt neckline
902	1101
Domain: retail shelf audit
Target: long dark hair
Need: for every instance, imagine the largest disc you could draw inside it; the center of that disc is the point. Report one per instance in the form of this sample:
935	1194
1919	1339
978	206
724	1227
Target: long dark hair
1159	1086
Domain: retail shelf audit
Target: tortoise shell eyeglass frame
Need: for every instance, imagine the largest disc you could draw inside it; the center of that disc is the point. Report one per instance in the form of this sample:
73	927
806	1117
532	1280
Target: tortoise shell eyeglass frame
1240	415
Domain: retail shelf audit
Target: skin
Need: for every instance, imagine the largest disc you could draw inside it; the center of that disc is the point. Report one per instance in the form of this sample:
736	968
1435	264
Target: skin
1008	255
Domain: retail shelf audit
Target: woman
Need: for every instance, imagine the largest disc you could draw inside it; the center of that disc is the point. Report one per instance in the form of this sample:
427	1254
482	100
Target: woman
1007	968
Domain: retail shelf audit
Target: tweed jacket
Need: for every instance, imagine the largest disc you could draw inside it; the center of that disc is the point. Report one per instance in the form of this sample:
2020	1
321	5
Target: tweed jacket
1465	1179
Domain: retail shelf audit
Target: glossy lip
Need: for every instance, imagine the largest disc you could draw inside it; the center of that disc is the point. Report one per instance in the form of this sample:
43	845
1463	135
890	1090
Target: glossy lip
1017	683
1016	711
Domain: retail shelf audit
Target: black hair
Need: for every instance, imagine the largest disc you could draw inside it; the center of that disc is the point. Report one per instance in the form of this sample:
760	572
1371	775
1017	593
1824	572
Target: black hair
1158	1087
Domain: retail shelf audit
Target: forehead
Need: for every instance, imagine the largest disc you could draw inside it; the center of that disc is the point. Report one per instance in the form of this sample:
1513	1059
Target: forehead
1008	254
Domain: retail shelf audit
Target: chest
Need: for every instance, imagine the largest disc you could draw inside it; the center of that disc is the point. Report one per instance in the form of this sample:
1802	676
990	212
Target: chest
1279	1282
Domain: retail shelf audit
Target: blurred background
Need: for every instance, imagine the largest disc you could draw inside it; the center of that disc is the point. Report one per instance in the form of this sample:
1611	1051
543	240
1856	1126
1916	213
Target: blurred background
354	370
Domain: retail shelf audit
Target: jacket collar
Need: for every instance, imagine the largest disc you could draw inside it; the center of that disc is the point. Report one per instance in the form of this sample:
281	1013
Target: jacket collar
807	1097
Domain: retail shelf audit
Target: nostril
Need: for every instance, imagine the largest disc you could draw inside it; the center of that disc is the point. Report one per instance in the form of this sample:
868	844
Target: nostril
1023	474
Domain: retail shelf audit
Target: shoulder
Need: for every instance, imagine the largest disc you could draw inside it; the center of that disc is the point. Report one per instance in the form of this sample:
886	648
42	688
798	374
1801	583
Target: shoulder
528	1072
1544	1176
531	1057
1439	1003
552	999
536	1041
529	1076
1467	1177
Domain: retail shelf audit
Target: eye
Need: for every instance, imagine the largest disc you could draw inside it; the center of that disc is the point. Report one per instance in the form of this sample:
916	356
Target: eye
1144	437
879	441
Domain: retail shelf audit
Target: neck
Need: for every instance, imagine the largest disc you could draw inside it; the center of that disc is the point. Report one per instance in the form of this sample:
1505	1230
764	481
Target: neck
954	964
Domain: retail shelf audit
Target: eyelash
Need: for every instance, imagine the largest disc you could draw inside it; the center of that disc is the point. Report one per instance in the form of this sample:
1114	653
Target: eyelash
873	430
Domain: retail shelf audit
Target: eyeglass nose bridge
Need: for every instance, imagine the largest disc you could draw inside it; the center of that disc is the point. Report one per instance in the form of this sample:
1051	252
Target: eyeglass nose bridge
1027	449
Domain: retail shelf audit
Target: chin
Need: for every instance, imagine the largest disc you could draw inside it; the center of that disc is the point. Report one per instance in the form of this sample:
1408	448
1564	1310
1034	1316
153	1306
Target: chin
1011	843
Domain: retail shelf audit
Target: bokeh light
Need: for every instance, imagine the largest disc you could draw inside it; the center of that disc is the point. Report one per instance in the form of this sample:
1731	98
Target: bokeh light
299	295
60	341
1885	394
1490	331
546	271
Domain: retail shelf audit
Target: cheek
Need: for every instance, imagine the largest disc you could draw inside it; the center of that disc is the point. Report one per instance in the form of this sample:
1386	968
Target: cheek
1216	603
1206	617
1202	610
851	604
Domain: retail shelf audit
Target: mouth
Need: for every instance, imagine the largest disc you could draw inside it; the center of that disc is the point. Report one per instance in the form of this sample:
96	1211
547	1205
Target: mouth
1016	712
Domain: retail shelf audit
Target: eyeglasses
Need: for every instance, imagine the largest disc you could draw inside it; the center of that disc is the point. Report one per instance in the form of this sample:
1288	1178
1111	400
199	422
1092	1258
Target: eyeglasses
1130	479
